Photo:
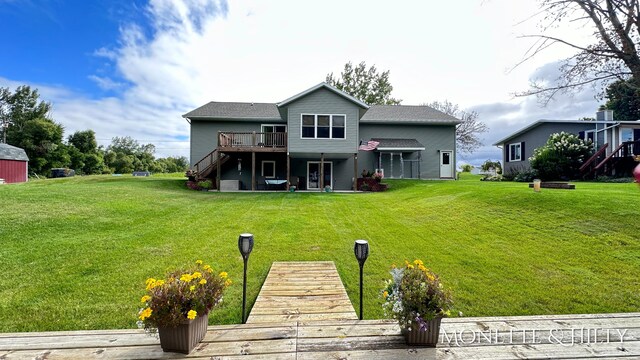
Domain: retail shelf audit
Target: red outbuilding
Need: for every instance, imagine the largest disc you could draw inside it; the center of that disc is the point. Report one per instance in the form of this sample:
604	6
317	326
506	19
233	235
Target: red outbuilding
14	164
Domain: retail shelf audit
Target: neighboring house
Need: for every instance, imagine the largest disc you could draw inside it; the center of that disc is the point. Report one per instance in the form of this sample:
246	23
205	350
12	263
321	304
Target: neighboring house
617	143
14	164
312	140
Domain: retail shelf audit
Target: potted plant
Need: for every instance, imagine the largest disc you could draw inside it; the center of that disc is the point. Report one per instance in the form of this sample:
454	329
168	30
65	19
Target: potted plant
377	176
178	306
416	298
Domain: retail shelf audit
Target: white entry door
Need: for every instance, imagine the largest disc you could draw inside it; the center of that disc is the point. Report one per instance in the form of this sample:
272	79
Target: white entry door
446	164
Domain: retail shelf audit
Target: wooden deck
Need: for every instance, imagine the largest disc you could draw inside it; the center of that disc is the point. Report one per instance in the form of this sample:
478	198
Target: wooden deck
303	312
302	291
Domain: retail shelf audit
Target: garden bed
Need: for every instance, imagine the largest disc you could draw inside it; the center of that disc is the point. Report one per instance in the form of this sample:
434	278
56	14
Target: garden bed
371	184
555	185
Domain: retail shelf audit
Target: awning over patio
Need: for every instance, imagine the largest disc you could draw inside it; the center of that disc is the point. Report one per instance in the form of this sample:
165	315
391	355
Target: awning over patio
385	144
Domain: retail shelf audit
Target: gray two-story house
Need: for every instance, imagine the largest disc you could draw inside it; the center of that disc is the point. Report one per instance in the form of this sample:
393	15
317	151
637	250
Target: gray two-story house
317	139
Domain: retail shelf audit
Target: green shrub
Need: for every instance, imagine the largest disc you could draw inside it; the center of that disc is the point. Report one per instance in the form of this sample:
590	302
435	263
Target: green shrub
561	157
206	184
466	168
609	179
525	176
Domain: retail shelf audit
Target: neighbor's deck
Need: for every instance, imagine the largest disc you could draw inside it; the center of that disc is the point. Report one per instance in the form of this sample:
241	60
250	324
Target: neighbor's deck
305	314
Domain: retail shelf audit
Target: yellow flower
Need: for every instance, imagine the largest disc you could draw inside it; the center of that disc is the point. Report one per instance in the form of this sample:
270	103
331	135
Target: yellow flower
409	266
393	266
385	294
150	283
192	314
203	281
192	287
224	274
158	283
145	298
198	262
227	283
186	277
208	268
145	313
406	263
418	262
196	275
421	267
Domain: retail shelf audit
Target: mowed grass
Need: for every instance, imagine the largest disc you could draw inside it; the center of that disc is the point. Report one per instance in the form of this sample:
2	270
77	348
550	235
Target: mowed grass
74	253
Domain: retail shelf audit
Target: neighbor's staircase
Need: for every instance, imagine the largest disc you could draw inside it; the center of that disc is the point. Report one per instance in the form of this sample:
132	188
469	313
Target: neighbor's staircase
208	165
620	162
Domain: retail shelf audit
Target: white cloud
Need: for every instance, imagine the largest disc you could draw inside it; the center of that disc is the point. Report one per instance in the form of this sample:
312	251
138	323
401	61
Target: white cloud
198	51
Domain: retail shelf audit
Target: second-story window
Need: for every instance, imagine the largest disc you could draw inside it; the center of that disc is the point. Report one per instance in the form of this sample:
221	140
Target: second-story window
323	126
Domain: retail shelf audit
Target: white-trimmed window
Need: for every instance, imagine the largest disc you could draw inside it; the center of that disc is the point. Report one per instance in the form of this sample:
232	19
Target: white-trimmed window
323	126
515	152
269	169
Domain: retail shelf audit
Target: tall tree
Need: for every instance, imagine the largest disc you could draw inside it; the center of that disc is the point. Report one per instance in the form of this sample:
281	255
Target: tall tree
623	97
467	131
365	84
41	139
612	54
22	106
86	157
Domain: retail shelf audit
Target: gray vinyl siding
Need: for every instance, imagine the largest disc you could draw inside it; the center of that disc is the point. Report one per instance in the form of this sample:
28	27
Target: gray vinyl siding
323	102
204	134
433	137
534	139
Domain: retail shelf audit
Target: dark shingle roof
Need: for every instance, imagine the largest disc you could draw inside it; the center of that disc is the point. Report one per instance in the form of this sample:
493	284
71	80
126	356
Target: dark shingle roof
324	85
8	152
407	114
236	110
398	143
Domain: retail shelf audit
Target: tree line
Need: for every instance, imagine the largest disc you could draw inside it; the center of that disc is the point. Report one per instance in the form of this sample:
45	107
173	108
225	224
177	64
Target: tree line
26	123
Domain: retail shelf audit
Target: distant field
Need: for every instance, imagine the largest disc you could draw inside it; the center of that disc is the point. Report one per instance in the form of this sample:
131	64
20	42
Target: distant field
74	253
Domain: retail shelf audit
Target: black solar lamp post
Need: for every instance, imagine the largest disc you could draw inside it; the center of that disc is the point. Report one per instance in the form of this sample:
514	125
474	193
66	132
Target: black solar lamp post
361	249
245	245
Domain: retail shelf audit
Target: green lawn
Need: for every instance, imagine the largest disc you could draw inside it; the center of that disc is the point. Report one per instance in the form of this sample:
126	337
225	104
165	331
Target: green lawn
74	253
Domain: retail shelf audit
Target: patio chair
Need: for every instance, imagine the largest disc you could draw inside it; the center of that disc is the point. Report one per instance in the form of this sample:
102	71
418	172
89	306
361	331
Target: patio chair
260	183
293	181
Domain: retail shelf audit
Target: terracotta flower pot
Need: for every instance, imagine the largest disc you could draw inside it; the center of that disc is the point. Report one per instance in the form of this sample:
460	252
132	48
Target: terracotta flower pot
184	337
429	338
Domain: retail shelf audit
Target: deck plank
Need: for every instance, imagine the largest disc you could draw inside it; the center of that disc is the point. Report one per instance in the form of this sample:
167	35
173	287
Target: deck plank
302	291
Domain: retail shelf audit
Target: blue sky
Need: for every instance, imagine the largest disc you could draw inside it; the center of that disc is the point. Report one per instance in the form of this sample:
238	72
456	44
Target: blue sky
132	68
54	42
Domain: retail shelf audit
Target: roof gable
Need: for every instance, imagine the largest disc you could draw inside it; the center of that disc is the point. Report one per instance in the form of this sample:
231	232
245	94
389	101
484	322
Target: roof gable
324	85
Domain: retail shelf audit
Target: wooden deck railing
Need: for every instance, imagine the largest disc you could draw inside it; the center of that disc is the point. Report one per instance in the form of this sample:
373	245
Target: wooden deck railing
252	139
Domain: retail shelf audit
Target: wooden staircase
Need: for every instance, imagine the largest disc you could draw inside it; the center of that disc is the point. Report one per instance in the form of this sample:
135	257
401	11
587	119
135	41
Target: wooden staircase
208	165
620	162
589	166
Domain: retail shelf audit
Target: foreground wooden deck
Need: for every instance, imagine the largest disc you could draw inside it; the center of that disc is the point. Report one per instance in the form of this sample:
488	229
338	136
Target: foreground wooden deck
305	314
353	339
